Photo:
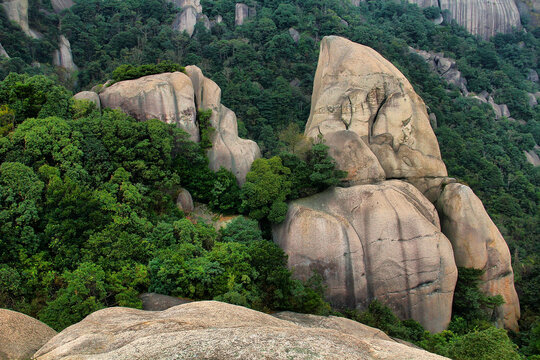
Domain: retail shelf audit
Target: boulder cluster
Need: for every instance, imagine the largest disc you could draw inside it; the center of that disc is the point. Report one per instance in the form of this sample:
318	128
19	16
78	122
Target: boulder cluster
399	227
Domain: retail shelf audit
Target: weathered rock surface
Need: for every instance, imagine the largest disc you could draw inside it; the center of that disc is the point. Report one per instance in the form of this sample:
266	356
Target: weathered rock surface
17	11
532	75
533	101
356	89
530	9
89	96
354	156
60	5
478	244
242	13
3	52
159	302
431	187
186	21
184	201
373	242
445	67
532	156
295	35
21	336
63	56
228	150
480	17
168	97
213	330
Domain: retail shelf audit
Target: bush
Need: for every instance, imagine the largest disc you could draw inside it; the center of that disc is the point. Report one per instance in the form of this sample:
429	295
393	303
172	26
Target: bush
489	344
129	72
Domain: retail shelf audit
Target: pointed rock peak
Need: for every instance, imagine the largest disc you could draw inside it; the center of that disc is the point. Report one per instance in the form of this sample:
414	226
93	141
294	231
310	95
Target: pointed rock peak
356	89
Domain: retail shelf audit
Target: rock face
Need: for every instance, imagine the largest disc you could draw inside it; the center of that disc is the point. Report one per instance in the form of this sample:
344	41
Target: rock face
242	13
357	90
60	5
214	330
17	10
168	97
89	96
3	52
445	67
532	156
21	336
228	150
63	57
478	244
189	16
184	201
374	242
480	17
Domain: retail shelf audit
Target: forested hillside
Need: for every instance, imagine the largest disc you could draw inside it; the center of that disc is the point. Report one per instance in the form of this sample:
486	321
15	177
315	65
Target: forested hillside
88	216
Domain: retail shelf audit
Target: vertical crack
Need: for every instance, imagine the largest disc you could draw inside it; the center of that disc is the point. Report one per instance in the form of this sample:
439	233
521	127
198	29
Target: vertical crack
347	125
373	119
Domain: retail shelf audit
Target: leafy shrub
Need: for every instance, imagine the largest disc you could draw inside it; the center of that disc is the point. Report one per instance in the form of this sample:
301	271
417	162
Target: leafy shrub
129	72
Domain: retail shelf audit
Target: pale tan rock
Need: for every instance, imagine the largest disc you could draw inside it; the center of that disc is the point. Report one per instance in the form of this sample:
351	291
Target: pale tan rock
356	89
89	96
168	97
17	11
228	150
213	330
354	156
186	21
431	188
184	201
3	52
484	18
21	336
478	244
532	157
60	5
373	242
242	13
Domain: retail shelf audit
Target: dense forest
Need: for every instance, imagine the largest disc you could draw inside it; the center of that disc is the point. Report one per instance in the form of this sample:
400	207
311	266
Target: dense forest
87	212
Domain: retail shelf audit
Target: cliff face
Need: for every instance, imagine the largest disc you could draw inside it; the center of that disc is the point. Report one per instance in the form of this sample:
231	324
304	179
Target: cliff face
17	11
484	18
382	239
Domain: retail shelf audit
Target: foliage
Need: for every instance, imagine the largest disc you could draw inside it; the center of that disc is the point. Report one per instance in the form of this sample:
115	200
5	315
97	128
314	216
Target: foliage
128	71
206	129
489	344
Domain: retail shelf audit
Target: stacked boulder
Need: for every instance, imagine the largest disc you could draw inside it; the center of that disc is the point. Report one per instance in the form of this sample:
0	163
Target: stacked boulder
175	98
190	14
379	235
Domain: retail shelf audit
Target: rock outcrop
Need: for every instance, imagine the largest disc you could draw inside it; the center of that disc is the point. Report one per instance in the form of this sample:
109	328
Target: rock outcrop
3	52
242	13
89	96
532	156
168	97
478	244
184	202
159	302
357	90
61	5
214	330
63	56
17	11
374	242
21	336
480	17
228	150
190	14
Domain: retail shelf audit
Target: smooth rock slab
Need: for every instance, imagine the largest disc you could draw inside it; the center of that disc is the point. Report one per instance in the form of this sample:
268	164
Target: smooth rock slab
21	335
478	244
168	97
212	330
89	96
373	242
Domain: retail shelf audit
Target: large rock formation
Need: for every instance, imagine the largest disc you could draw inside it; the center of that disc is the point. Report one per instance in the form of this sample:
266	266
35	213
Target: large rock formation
61	5
478	244
21	336
168	97
63	57
480	17
374	242
242	13
214	330
383	240
190	14
17	11
357	90
228	150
